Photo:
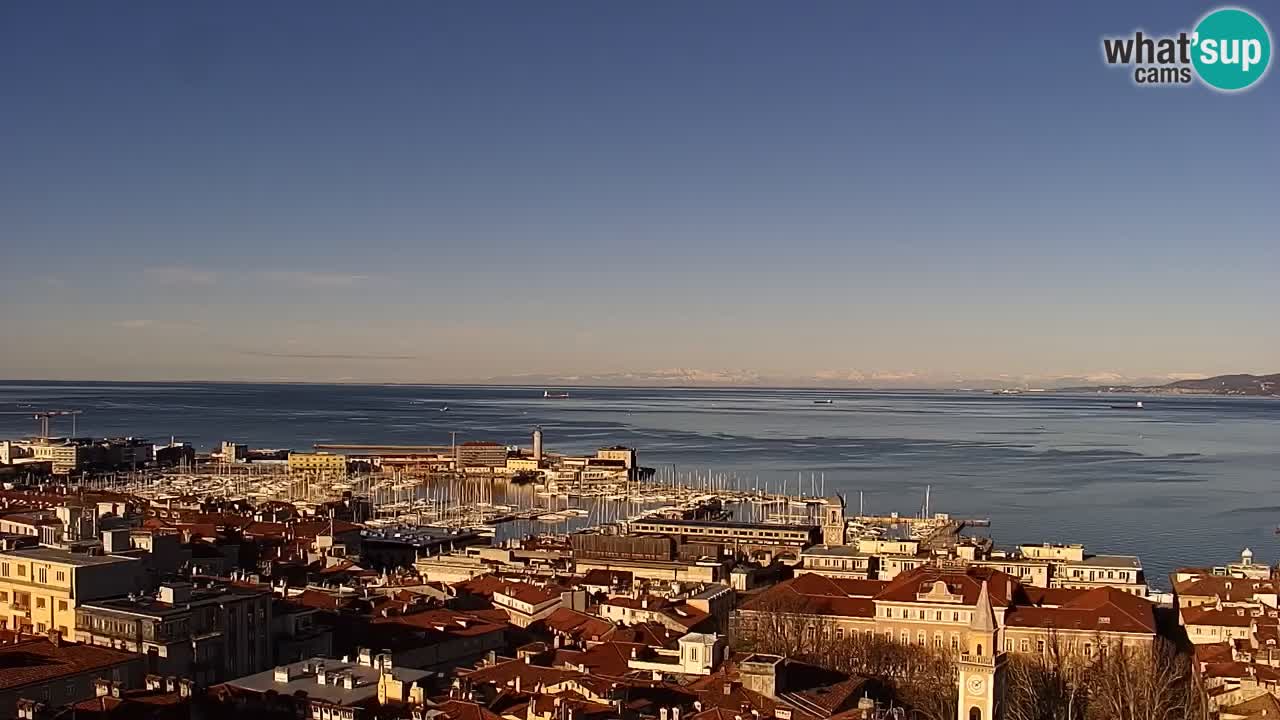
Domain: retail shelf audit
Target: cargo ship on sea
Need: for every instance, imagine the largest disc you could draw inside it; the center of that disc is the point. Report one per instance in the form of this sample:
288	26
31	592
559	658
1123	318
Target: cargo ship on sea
555	394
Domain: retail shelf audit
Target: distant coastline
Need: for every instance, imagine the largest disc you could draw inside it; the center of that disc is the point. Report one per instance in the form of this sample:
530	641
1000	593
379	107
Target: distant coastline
1240	385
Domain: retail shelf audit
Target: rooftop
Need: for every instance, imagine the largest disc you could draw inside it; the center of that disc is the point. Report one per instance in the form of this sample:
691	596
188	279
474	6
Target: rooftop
1127	562
725	524
303	677
67	557
39	660
151	604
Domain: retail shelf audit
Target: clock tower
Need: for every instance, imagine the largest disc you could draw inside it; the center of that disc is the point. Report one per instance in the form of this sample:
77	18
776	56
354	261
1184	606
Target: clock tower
982	665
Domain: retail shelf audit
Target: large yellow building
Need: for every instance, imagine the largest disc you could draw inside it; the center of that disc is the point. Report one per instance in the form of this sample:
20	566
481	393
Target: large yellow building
40	587
319	462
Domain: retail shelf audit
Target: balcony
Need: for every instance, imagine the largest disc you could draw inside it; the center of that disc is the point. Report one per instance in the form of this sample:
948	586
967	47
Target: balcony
985	660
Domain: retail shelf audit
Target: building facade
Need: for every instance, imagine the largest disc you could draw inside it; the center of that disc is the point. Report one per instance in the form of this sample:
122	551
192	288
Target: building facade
40	588
209	634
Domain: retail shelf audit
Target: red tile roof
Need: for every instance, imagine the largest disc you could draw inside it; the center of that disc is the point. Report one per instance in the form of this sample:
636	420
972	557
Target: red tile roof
1103	609
1226	617
465	710
578	625
966	582
1228	589
39	660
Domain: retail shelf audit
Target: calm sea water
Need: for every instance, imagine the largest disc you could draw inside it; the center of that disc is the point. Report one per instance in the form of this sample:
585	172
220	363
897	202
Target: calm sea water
1188	480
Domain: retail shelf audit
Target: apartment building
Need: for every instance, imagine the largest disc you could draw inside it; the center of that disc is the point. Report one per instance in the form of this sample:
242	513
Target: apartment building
1072	567
209	634
40	588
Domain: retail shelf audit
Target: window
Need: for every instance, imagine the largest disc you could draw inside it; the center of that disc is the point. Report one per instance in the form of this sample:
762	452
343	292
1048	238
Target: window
1008	645
22	570
938	616
62	606
1025	645
921	639
43	574
955	642
4	569
906	637
1040	646
1088	649
888	612
60	576
839	633
955	616
40	602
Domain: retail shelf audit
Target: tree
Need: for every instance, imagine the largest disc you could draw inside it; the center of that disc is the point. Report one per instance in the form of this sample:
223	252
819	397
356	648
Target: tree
779	624
1046	686
1155	682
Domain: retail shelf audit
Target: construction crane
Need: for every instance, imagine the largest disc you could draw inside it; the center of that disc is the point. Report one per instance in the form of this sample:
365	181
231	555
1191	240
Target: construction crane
44	415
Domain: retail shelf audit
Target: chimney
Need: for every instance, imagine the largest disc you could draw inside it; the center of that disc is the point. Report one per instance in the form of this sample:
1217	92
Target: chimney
185	687
728	688
101	687
115	690
321	677
517	683
175	593
365	656
282	674
154	682
55	637
171	684
662	714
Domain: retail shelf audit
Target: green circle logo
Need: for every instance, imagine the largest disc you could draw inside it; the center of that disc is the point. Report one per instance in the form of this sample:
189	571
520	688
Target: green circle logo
1231	49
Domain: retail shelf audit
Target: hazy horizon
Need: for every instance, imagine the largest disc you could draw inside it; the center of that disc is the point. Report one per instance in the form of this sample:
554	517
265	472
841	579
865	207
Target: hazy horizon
703	194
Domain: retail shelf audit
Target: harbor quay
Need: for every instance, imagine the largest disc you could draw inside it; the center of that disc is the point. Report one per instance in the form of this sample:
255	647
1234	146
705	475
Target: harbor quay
477	579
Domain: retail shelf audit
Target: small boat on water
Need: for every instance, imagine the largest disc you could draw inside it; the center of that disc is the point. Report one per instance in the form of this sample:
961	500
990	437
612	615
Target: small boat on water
554	394
1128	406
824	402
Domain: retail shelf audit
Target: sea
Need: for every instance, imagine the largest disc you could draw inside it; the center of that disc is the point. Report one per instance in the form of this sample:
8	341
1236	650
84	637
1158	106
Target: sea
1186	480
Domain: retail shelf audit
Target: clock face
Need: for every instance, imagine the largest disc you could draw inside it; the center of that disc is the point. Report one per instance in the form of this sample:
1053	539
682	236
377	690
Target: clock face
977	685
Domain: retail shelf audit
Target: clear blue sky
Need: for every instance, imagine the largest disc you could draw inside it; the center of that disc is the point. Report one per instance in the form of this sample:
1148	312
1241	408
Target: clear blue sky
432	191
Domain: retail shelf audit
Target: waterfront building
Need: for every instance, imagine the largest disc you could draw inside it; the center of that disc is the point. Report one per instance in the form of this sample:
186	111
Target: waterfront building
758	541
321	463
208	634
40	588
1074	568
619	453
69	455
481	454
844	561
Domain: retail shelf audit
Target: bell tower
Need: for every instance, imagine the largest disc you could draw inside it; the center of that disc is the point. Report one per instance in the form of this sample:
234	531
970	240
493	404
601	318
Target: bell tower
982	665
833	522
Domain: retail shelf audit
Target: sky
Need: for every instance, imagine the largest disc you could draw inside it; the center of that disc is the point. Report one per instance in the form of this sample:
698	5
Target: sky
713	192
